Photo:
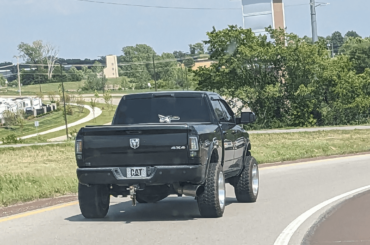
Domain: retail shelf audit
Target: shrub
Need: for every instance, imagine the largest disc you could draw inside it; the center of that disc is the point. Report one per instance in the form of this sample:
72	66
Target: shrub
69	110
11	139
73	134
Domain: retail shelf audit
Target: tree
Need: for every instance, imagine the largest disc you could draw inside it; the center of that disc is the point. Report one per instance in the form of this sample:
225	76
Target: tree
38	53
94	83
2	80
93	102
75	75
107	99
189	62
165	68
124	83
196	49
286	81
138	64
50	54
32	53
20	119
358	51
10	118
97	67
179	54
309	39
337	41
352	34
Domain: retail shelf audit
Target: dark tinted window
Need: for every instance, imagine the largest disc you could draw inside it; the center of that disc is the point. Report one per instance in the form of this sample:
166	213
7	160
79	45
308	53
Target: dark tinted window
146	110
218	110
229	115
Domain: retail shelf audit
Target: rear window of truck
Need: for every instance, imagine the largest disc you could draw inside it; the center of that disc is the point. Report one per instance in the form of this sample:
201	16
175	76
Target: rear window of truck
147	110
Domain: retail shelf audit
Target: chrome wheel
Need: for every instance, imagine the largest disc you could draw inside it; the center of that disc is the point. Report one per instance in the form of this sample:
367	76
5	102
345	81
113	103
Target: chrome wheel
221	190
255	179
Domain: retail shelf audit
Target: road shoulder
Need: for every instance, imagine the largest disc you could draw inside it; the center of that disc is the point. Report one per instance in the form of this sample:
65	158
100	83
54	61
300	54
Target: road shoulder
37	204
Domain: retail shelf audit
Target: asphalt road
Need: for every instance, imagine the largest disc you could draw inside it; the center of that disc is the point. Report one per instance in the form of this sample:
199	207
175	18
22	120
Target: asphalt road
286	192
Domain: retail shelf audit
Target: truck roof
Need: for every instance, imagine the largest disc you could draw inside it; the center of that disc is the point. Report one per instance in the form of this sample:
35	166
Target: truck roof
168	93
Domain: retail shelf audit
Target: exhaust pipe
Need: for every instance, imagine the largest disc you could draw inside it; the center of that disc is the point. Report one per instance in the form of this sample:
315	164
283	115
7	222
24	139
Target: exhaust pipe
190	190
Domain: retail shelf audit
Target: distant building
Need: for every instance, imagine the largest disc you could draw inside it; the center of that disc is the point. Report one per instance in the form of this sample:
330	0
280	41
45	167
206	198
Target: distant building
202	63
6	73
111	70
259	14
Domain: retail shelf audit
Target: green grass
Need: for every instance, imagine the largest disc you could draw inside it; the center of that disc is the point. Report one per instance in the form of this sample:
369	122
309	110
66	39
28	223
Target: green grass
49	121
268	148
30	173
53	87
47	87
105	117
71	87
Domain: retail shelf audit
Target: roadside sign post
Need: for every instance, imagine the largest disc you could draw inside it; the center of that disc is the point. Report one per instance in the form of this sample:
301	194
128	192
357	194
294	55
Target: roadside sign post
36	125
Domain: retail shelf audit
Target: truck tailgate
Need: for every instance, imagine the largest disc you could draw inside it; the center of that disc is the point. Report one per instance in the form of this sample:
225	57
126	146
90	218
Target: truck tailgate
158	144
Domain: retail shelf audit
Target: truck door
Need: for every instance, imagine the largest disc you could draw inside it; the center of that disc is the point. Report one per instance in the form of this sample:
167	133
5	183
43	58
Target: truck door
234	136
229	135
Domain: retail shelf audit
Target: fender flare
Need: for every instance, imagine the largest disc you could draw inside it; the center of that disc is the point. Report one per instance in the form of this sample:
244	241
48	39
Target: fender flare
248	147
212	148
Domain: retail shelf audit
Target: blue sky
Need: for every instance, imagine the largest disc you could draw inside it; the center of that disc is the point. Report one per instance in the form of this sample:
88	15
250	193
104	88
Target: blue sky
87	30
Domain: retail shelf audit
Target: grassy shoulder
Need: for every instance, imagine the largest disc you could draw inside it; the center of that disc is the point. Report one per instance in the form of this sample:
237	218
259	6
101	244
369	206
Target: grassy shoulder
30	173
49	121
268	148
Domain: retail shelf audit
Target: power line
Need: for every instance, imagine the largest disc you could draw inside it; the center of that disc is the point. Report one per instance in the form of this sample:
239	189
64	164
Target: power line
119	64
151	6
6	66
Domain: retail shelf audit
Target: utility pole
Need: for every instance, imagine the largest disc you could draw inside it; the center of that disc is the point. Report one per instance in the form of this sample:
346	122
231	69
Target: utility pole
186	75
19	77
64	100
313	21
40	84
155	74
332	50
102	80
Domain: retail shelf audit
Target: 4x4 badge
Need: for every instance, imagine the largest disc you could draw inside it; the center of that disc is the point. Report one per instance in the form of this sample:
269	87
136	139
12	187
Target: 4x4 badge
134	143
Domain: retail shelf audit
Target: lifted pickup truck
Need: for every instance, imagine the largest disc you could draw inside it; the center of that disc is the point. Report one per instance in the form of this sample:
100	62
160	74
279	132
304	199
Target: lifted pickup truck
184	143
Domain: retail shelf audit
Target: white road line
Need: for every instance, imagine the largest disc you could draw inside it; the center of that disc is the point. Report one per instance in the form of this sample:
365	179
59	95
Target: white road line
288	232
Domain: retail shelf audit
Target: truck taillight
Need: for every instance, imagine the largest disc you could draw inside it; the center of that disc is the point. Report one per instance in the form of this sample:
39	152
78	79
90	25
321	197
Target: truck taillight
193	144
78	146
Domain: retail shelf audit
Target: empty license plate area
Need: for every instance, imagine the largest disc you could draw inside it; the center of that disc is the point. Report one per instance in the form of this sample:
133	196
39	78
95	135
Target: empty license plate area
136	173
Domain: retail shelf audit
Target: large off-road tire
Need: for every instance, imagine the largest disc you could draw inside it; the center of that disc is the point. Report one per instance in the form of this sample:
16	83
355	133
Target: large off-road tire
246	185
94	200
211	202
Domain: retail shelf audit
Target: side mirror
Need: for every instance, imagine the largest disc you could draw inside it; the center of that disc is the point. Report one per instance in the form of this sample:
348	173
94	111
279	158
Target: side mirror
246	118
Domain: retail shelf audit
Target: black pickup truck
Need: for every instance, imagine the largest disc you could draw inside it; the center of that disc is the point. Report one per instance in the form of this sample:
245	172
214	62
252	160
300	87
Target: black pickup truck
183	143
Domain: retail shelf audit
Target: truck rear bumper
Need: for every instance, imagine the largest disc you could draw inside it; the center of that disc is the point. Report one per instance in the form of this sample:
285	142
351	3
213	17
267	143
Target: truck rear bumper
155	175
